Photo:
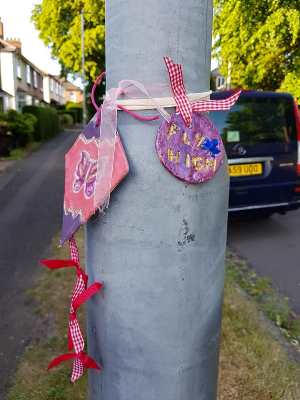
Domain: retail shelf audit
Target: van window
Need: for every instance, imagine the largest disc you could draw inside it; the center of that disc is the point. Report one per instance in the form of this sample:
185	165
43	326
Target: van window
257	119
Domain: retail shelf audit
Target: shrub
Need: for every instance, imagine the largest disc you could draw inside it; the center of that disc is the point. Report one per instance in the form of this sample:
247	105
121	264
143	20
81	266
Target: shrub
76	111
66	119
47	125
22	126
6	142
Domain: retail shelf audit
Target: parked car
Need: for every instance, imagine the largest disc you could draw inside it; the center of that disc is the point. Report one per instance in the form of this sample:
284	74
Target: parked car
261	134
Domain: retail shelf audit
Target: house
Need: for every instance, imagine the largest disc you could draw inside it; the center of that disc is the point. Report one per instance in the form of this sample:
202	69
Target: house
72	92
53	90
5	97
218	79
20	79
21	82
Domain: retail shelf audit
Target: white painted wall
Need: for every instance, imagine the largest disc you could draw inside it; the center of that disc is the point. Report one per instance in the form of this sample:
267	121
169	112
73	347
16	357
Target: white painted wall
9	103
46	87
7	72
53	90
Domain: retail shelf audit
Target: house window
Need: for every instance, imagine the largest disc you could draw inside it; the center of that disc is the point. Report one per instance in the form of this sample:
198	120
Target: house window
51	85
29	100
19	70
220	81
21	101
35	80
28	74
73	97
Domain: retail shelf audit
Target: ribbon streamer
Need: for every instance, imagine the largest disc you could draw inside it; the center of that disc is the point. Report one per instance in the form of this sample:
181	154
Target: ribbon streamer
108	123
81	293
87	361
184	106
108	131
106	119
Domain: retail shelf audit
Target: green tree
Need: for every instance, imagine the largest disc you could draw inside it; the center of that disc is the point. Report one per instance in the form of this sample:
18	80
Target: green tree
59	25
259	41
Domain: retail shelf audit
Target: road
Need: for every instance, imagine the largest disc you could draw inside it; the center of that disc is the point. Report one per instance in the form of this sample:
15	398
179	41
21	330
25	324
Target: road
272	248
31	195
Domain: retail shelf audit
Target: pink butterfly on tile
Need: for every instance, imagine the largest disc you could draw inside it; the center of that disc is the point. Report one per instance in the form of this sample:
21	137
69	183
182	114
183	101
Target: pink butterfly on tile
85	175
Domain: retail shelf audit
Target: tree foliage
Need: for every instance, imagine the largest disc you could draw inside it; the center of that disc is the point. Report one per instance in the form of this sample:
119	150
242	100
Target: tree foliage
59	24
260	41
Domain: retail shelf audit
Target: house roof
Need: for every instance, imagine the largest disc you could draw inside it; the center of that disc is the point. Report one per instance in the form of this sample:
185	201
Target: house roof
3	91
55	77
70	86
216	72
7	47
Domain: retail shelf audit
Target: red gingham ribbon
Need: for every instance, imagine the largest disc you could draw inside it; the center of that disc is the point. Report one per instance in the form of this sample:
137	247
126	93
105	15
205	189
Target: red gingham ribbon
81	293
177	85
184	106
83	358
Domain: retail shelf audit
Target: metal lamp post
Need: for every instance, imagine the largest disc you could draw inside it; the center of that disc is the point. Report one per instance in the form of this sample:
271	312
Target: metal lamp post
160	247
84	111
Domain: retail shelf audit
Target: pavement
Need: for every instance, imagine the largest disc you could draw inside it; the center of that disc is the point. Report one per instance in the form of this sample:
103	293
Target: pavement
6	164
272	248
31	199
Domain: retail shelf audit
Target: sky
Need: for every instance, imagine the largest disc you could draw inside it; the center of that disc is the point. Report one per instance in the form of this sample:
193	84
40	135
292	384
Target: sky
15	15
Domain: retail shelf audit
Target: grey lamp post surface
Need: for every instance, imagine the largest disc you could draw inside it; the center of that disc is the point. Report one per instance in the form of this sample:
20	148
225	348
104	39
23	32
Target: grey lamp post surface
84	112
160	247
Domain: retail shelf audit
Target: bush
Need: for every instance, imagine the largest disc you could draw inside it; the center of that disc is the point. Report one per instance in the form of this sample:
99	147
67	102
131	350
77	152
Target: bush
76	111
66	119
22	126
47	125
69	113
6	140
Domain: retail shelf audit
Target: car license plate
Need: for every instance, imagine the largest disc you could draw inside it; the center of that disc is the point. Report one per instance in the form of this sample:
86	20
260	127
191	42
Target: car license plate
245	169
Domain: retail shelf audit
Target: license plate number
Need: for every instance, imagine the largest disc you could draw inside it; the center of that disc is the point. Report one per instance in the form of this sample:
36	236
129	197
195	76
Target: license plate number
245	169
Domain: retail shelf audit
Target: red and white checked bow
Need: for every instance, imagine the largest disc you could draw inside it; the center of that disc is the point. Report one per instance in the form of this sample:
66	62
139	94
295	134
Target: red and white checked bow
81	293
184	106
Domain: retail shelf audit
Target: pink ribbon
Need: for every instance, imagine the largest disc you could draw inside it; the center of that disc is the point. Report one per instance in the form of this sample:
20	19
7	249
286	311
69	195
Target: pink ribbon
108	130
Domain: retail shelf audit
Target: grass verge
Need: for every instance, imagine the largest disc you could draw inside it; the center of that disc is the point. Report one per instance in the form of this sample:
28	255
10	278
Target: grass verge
52	295
252	364
22	152
273	305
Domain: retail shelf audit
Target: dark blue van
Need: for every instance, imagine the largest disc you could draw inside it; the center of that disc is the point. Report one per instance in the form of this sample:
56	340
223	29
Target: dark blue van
261	135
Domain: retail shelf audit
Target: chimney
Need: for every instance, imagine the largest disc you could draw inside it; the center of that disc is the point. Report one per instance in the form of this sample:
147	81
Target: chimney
16	43
1	30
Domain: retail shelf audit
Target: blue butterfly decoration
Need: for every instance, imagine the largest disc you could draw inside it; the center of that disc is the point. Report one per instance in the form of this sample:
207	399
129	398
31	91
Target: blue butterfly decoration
211	146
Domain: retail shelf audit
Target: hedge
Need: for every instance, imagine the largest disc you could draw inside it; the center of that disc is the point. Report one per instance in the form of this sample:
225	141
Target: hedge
73	109
76	112
66	120
19	127
72	114
47	125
